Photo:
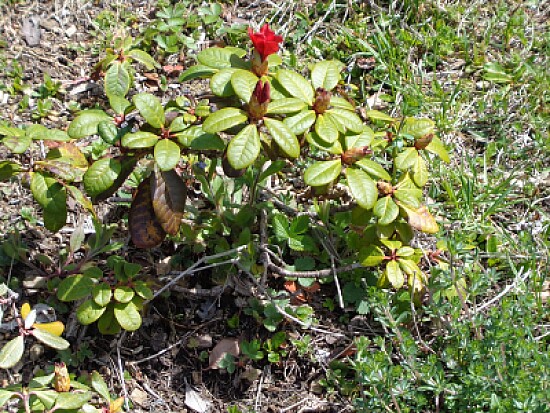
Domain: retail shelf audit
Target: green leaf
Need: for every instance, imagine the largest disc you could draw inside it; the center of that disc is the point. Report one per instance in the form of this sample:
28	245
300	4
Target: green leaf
348	120
280	227
409	196
55	217
17	144
394	274
89	311
40	132
301	122
420	172
418	128
195	138
244	148
301	243
124	294
140	139
101	175
143	57
326	129
326	74
101	293
131	269
272	169
363	139
216	57
224	119
150	108
12	352
341	103
143	290
371	256
107	324
362	188
406	158
283	136
296	85
100	386
47	397
51	340
405	251
5	395
386	210
127	316
52	196
220	83
437	147
8	169
322	173
72	400
11	131
85	124
494	72
119	104
74	287
167	154
377	115
374	169
117	80
285	105
196	71
244	83
107	131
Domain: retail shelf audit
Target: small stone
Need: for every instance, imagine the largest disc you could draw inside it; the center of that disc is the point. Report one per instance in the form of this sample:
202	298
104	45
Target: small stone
71	31
138	396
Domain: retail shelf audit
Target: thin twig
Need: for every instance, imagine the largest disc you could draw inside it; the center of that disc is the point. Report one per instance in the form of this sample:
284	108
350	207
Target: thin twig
121	369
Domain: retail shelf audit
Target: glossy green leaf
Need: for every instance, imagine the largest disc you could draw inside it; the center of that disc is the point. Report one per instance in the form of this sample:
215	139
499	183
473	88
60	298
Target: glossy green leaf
197	71
315	140
85	124
224	119
150	108
140	139
107	131
12	352
283	136
72	400
107	323
296	85
326	129
362	188
167	154
326	74
301	122
377	115
418	128
127	316
101	175
406	158
11	131
409	196
386	210
40	132
394	274
124	294
75	287
101	294
362	139
341	103
285	106
349	120
437	147
374	169
8	169
100	386
117	80
143	290
220	83
371	256
216	57
49	339
405	251
52	197
244	148
119	104
420	172
195	138
244	83
89	311
143	57
322	173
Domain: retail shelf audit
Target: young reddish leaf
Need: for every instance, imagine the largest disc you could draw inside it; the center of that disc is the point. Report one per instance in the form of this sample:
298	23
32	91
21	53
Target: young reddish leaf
169	193
145	230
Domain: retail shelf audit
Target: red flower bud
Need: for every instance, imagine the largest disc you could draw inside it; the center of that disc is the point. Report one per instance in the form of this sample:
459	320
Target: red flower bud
265	42
257	107
352	155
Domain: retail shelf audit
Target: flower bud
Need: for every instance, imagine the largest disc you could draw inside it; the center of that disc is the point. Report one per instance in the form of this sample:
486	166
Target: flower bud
257	107
352	155
423	141
61	380
322	100
385	188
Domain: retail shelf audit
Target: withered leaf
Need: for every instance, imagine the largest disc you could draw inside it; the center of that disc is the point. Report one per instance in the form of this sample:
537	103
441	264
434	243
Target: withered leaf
169	193
420	218
145	230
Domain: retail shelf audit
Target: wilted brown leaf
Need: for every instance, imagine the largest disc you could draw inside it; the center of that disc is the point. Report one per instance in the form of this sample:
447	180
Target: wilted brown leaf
225	346
168	192
420	218
145	230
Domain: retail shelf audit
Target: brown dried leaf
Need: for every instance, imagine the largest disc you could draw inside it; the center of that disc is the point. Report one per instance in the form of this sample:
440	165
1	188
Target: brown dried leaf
420	218
225	346
169	194
145	230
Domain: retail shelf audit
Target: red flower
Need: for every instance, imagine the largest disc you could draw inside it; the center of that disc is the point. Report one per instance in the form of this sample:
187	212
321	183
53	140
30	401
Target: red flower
265	42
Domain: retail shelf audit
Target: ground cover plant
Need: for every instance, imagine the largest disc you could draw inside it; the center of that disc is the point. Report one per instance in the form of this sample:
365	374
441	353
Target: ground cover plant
327	206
